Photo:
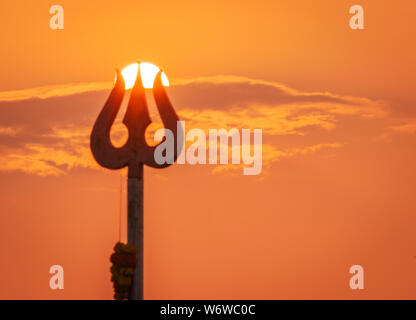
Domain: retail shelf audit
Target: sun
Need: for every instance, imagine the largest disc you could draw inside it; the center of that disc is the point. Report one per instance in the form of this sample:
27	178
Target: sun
148	72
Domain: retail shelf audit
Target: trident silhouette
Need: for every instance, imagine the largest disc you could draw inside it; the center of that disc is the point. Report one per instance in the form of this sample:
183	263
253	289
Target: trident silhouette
134	153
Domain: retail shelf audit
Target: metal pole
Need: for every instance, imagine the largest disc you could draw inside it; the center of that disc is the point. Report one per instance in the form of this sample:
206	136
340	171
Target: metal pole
135	225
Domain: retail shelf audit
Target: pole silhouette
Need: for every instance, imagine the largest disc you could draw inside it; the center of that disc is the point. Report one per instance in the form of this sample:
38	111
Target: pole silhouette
134	154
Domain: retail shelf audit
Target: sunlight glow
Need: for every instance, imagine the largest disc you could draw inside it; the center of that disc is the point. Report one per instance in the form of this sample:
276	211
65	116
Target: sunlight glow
148	72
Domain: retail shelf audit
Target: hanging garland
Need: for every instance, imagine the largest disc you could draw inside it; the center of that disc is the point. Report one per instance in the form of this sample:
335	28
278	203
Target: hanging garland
124	260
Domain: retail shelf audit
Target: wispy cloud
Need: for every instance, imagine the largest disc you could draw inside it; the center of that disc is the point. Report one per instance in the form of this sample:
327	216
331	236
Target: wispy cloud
408	127
271	154
404	127
45	130
51	91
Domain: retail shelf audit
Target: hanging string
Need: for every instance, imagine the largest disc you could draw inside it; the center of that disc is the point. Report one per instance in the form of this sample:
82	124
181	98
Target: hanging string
121	205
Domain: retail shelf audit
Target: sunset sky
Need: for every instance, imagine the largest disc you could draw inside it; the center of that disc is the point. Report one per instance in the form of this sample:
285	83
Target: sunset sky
337	110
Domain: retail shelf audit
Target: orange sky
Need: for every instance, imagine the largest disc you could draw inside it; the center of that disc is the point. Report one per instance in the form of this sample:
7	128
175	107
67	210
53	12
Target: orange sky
337	111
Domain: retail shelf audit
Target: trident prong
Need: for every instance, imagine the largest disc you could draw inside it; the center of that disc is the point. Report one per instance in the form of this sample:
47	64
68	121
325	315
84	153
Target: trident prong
134	153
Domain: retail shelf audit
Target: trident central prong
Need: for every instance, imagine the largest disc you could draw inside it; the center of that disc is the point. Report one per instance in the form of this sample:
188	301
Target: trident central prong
134	153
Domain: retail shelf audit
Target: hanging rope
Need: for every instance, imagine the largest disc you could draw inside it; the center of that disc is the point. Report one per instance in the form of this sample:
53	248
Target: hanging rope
123	259
121	205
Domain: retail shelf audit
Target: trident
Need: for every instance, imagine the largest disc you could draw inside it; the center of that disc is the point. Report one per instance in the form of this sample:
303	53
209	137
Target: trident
134	153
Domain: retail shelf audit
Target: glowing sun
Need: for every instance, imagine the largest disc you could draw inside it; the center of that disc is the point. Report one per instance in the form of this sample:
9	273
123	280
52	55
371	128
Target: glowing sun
148	72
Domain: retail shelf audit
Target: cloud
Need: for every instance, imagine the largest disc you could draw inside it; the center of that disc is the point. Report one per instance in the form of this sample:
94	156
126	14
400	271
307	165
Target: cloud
8	131
233	92
66	148
408	127
402	127
45	130
273	120
271	154
51	91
